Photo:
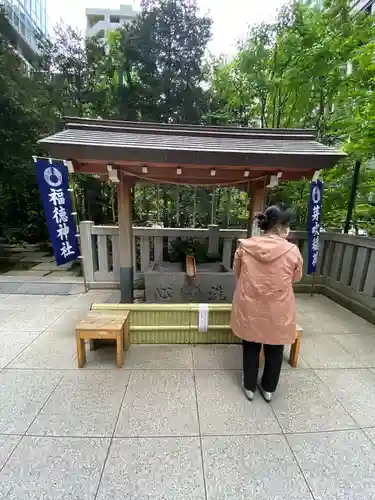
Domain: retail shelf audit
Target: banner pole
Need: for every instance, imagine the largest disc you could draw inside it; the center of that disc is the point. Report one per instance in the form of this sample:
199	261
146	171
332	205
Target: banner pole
312	285
70	168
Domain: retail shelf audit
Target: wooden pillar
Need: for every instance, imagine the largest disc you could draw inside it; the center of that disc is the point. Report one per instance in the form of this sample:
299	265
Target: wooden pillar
194	206
178	205
213	239
228	206
124	198
257	204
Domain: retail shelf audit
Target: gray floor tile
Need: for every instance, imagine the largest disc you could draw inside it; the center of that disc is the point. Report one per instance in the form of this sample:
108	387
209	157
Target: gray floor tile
217	357
66	323
12	343
229	357
26	301
85	300
325	351
336	465
22	395
59	302
7	445
86	403
360	346
32	320
245	467
41	288
356	323
114	298
354	389
302	363
223	408
302	403
159	403
54	468
166	357
370	432
51	350
334	320
8	312
323	323
157	469
8	288
104	358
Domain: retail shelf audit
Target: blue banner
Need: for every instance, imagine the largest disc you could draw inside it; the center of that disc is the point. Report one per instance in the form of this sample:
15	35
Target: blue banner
313	228
53	180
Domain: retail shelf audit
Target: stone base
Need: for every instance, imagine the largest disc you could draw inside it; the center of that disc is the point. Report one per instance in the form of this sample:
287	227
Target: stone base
216	287
168	284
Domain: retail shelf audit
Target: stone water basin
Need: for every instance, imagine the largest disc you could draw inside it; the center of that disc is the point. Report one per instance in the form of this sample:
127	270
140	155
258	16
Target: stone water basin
166	282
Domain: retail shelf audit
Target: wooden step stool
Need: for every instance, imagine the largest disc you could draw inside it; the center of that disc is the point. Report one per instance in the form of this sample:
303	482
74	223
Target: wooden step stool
103	325
294	348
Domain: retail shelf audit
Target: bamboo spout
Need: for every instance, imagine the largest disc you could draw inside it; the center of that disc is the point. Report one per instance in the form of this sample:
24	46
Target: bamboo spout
191	269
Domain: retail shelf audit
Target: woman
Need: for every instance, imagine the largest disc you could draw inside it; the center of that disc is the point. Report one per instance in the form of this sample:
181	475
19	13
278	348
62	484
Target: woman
264	309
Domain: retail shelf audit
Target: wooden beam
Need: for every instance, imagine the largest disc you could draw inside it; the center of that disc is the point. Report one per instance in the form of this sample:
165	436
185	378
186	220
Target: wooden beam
257	204
124	193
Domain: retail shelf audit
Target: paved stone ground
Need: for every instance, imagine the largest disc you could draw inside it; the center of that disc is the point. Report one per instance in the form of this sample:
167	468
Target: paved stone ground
174	424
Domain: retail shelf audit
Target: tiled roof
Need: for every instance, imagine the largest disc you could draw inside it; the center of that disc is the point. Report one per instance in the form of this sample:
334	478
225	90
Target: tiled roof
108	140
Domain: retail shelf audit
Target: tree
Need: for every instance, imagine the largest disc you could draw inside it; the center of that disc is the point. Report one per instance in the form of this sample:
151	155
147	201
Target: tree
293	73
21	124
159	59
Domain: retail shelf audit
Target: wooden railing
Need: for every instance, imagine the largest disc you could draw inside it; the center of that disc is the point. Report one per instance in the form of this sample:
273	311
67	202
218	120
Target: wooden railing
346	263
101	256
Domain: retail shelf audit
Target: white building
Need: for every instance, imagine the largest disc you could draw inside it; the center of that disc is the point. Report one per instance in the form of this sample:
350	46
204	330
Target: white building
26	23
100	22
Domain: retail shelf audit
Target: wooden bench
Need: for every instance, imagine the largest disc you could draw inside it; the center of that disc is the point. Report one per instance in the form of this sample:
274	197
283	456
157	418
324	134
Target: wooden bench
105	326
294	348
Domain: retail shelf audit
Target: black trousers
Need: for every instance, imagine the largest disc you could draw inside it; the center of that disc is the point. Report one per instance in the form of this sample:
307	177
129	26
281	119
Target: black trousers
273	358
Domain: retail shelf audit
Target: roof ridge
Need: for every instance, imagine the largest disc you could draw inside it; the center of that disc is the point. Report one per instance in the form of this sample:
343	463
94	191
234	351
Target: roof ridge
190	131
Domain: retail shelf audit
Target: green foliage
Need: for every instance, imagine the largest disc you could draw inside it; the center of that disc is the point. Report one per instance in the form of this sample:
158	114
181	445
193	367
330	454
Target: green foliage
181	248
20	128
291	73
296	73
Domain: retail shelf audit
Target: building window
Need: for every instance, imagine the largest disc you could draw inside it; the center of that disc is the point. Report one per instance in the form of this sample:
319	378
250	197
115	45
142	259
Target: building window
92	20
114	19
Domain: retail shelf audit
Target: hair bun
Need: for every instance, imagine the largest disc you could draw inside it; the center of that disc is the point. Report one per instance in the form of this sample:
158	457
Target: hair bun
262	221
275	215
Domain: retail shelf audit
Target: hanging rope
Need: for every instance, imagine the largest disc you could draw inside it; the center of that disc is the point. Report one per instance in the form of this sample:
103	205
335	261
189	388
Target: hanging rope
229	199
157	204
178	205
194	206
213	206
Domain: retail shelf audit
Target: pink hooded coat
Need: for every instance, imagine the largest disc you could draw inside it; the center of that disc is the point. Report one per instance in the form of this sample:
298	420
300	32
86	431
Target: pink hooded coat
264	308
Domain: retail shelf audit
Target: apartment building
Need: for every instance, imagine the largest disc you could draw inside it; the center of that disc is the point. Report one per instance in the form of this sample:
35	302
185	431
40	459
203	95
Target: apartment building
26	23
100	22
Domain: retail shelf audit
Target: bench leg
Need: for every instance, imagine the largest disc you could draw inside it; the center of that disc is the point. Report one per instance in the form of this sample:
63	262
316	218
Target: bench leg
126	336
294	351
81	353
120	350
